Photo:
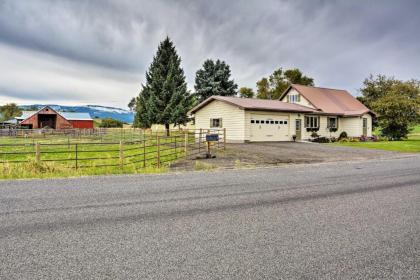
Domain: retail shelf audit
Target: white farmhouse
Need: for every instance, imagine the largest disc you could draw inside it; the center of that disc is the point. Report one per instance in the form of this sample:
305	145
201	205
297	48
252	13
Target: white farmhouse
299	111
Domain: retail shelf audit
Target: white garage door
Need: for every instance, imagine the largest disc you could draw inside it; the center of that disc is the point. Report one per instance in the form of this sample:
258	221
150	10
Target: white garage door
269	128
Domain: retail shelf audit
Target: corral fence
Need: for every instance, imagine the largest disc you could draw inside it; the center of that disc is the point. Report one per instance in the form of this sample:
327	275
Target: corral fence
148	149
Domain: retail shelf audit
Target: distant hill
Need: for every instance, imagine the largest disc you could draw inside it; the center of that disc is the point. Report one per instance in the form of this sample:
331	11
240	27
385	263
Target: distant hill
95	111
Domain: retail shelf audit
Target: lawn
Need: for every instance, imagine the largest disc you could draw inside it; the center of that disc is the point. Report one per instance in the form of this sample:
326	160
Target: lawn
411	145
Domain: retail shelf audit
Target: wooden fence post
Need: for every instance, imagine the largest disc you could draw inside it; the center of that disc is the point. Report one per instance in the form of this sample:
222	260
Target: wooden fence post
224	138
121	154
199	140
186	145
76	150
158	150
38	153
175	139
144	153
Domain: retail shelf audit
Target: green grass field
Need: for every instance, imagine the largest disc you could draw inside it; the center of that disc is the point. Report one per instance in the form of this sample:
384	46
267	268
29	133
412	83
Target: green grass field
92	155
411	145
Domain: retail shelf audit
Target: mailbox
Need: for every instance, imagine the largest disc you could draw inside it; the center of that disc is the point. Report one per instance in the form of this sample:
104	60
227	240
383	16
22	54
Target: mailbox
212	137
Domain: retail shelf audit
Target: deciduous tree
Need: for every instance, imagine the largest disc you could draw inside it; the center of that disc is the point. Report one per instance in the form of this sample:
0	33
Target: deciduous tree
396	102
279	81
246	92
9	111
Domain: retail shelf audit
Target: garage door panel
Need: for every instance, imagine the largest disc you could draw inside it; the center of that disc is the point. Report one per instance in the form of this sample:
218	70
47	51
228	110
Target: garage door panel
269	128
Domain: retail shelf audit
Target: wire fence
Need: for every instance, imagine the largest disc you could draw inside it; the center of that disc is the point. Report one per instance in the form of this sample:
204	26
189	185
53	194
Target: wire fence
148	149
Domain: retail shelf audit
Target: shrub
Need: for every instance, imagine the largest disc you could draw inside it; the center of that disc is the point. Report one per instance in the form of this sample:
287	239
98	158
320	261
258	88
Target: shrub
363	138
314	135
354	140
312	129
333	139
343	140
333	129
342	135
322	140
110	123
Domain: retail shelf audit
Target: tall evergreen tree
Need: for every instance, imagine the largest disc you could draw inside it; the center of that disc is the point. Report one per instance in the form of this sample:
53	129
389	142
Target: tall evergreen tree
214	79
164	98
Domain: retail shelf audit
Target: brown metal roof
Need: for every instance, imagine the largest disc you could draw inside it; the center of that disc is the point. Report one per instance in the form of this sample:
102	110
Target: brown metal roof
255	104
331	101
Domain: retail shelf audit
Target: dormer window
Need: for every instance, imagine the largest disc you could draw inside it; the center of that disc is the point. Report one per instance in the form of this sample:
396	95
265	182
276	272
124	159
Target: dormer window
293	98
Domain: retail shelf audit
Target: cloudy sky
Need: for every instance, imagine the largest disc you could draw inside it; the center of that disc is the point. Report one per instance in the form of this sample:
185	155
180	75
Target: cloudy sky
97	51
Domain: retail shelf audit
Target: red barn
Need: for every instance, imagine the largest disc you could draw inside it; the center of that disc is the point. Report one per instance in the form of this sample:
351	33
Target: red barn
49	118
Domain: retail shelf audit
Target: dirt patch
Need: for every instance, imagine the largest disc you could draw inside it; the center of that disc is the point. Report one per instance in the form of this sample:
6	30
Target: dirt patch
280	153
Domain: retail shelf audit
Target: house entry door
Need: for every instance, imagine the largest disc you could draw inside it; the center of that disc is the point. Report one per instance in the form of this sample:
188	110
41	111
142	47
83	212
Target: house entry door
365	127
298	129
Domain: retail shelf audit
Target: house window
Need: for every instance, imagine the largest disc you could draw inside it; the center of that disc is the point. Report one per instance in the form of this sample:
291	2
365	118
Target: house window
311	121
215	122
257	121
285	122
294	98
281	122
272	122
332	122
277	122
252	121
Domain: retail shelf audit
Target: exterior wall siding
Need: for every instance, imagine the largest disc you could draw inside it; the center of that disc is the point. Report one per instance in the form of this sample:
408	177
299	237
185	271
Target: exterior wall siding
233	119
84	124
353	126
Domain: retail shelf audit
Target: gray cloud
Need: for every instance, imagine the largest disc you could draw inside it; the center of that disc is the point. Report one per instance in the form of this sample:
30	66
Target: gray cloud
112	42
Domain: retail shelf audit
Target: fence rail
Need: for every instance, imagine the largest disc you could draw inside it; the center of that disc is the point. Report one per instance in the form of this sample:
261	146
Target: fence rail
150	149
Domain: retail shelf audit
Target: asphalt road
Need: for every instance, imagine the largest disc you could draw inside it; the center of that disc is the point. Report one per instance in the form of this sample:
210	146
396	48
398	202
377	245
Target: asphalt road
357	220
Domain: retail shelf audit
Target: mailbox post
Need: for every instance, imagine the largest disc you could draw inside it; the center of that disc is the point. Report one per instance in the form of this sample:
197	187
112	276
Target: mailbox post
209	139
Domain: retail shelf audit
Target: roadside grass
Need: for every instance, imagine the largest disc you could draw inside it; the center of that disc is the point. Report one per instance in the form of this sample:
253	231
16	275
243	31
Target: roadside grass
203	166
32	170
411	145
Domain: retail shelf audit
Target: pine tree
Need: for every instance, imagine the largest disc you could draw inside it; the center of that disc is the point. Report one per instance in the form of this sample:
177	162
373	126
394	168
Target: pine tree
164	98
214	79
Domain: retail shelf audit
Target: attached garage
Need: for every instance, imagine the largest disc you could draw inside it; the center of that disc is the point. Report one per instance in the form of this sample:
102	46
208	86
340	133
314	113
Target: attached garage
269	127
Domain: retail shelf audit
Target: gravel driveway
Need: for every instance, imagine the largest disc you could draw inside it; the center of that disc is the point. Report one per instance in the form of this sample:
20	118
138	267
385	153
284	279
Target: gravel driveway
280	153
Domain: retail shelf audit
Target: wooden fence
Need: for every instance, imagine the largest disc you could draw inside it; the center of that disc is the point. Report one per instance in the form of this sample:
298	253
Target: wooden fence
149	150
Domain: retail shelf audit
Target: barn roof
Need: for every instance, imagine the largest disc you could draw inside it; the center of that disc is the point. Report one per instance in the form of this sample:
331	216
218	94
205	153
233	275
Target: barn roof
255	104
330	101
26	114
71	116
